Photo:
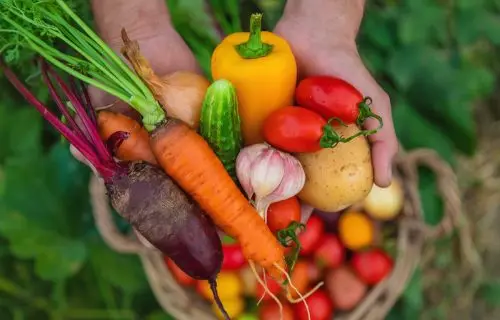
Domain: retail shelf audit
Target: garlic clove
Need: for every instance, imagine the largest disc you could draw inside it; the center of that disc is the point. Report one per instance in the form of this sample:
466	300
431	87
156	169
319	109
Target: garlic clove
244	161
266	173
292	182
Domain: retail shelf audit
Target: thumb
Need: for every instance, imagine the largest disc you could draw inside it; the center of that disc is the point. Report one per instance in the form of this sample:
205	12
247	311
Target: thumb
79	156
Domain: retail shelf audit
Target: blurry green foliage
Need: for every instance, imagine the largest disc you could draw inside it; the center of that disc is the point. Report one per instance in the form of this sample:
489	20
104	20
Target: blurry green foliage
435	58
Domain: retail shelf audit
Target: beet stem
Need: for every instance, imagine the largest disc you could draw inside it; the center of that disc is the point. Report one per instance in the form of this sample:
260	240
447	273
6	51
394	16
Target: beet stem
62	107
105	170
88	103
115	140
213	287
81	112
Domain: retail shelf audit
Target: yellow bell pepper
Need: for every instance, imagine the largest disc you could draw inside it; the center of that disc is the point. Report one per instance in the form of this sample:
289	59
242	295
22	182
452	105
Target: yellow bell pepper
263	70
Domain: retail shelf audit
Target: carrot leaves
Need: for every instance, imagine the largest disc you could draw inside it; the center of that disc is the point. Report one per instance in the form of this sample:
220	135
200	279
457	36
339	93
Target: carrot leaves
42	26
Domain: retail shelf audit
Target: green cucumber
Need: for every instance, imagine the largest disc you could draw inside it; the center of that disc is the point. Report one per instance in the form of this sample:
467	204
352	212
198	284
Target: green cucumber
220	123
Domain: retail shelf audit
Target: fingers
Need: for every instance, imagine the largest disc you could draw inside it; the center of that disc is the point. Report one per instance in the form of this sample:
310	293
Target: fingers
148	22
384	144
348	65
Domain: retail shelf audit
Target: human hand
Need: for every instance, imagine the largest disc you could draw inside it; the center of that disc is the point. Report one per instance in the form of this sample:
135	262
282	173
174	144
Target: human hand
322	35
149	23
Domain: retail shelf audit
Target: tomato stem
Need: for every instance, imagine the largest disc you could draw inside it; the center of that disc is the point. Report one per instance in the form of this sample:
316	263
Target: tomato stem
287	237
331	138
366	112
254	48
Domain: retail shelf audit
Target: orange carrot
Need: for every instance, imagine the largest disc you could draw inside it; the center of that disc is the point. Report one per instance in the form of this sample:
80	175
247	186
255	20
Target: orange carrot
189	160
135	146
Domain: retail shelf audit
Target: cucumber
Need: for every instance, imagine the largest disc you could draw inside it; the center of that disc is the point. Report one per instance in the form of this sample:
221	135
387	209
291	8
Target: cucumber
220	123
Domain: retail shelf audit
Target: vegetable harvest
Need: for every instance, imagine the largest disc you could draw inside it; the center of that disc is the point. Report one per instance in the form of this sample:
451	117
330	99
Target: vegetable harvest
235	154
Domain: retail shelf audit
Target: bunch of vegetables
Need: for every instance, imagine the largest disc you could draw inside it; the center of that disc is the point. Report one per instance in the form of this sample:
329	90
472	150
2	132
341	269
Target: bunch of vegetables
236	155
350	251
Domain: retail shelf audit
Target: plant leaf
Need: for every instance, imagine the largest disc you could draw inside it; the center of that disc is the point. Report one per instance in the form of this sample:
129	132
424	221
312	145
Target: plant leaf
123	271
489	291
414	131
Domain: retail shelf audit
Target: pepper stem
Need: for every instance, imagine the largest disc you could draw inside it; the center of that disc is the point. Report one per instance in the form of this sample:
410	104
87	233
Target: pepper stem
254	48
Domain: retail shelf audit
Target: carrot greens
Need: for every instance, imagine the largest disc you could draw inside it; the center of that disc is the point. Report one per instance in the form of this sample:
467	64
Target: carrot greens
40	24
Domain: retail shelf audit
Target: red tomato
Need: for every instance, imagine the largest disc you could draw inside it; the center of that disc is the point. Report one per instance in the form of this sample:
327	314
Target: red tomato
310	237
280	214
272	285
330	97
179	275
294	129
233	257
320	307
330	252
372	266
314	273
270	311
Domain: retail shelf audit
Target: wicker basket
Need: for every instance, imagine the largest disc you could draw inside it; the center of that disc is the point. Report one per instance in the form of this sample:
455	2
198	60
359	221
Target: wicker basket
413	233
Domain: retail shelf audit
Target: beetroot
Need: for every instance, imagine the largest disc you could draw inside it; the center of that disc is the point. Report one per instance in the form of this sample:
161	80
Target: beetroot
140	192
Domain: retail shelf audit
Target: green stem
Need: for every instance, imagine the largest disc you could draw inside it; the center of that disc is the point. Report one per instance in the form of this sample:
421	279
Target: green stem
254	48
98	65
330	138
288	237
106	49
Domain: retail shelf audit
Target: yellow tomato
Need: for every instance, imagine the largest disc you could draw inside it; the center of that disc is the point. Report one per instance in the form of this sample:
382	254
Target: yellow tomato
385	203
229	286
234	307
356	230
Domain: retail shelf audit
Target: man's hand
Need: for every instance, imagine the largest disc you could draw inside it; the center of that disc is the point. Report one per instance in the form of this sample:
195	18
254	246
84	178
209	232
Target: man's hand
322	35
149	23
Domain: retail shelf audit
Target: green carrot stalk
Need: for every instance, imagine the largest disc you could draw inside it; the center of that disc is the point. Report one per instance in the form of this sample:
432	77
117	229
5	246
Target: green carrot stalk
37	24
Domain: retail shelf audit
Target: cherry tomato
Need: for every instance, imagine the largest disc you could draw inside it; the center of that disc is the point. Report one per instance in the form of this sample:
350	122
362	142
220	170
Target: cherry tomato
310	237
272	285
332	97
229	286
330	252
295	129
320	307
280	214
270	311
314	273
372	266
179	275
300	278
233	257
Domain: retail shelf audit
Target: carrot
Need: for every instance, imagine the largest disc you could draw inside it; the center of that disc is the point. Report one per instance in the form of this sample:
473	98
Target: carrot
135	145
189	160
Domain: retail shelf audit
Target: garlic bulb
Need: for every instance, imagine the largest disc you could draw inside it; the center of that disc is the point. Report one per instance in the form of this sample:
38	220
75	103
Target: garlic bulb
268	174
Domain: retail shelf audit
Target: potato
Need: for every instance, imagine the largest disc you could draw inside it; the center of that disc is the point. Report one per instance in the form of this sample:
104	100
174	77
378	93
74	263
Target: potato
338	177
345	288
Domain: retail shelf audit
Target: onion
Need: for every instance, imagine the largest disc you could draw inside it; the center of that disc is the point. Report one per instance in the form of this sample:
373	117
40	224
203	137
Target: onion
180	93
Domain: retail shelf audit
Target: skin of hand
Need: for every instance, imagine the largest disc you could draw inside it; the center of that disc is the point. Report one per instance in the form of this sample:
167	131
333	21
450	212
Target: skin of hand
322	35
149	23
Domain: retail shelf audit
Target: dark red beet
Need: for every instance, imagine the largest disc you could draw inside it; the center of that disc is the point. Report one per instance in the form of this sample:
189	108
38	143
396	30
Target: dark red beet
141	193
170	220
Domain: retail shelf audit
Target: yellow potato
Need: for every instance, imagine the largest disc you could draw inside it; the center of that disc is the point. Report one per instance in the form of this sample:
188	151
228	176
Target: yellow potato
338	177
